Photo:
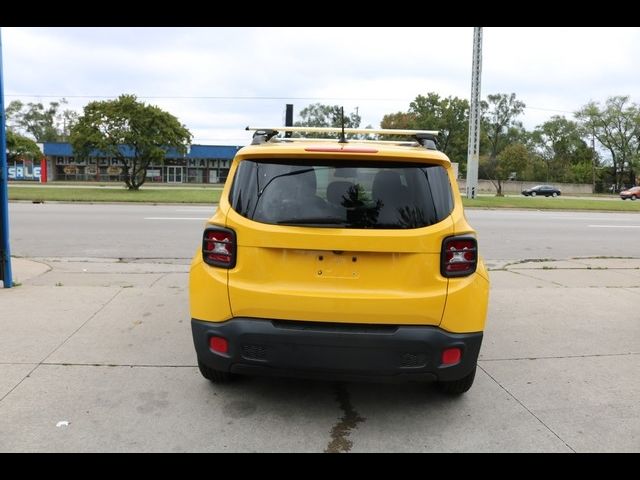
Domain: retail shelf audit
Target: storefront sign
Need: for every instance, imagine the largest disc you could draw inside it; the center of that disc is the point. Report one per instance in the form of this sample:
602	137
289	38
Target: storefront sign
112	170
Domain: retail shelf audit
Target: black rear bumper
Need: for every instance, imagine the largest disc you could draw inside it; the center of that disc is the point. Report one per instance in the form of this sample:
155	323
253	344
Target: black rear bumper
335	351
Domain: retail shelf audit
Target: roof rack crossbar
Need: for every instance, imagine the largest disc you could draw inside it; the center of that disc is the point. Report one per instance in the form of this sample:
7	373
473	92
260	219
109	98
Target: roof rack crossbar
320	140
364	131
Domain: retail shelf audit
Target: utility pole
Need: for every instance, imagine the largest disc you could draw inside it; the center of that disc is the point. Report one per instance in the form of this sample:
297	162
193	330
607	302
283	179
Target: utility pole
593	161
473	151
5	254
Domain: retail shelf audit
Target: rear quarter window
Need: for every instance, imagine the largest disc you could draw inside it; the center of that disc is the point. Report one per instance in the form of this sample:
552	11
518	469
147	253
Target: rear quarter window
378	195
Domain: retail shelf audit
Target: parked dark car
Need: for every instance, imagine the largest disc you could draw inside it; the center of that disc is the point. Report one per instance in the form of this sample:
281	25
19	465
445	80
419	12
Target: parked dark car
546	190
632	193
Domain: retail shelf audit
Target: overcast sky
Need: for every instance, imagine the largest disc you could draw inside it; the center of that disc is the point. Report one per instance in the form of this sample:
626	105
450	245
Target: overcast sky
219	80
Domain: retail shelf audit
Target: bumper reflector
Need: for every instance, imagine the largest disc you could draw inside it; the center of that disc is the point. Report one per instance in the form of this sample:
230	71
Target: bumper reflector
219	344
451	356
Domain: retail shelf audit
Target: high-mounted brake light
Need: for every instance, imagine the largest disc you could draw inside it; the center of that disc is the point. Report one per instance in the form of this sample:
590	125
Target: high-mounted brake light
219	247
459	256
342	149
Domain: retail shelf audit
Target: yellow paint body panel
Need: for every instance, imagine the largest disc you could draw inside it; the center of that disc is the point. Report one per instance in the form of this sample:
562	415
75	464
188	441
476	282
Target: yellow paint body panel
340	275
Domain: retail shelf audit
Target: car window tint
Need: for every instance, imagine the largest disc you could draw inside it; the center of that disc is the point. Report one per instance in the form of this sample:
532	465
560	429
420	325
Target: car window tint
339	194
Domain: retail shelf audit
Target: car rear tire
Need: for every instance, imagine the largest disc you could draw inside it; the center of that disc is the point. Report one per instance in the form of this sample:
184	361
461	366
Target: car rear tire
458	387
215	376
533	194
554	194
633	197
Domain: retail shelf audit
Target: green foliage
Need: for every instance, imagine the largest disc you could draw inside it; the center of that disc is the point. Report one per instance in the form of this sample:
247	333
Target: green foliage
150	132
20	147
500	128
45	124
399	121
499	121
616	126
147	194
450	116
559	143
513	159
320	115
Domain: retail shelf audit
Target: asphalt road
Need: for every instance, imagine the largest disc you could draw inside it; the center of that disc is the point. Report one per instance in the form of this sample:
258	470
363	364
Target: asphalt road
174	232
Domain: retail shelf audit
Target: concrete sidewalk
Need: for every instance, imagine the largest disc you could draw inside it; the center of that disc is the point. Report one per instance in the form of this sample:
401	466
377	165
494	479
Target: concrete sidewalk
96	355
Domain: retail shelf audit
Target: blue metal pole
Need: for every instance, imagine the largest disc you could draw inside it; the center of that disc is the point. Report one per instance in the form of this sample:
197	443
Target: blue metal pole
5	252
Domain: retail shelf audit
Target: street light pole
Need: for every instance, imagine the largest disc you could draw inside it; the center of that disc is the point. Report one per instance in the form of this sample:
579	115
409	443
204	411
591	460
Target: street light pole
5	253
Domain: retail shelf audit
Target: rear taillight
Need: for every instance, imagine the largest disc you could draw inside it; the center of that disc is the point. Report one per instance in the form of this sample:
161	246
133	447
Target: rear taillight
459	256
219	247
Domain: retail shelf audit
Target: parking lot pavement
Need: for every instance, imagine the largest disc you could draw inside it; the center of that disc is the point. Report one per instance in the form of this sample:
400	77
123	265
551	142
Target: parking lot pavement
96	355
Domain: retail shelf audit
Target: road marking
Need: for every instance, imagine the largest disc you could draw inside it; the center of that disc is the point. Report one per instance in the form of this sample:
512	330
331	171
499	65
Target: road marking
199	210
175	218
614	226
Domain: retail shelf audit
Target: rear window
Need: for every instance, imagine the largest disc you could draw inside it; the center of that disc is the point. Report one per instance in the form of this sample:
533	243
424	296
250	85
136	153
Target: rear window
338	194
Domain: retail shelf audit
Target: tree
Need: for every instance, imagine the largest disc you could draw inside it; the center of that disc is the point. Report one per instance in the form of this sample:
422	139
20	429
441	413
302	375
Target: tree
514	158
45	124
616	126
320	115
559	143
112	126
449	116
399	120
20	147
501	128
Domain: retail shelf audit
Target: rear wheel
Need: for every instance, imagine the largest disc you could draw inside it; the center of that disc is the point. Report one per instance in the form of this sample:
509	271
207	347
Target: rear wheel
633	197
215	376
554	194
458	387
533	194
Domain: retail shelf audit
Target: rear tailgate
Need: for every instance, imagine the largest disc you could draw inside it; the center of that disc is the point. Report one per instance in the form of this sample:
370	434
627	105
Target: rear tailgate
338	275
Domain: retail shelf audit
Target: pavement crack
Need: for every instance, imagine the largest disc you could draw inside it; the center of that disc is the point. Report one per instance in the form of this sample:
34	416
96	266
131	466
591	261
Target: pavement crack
55	349
77	329
552	357
537	278
339	442
158	279
527	409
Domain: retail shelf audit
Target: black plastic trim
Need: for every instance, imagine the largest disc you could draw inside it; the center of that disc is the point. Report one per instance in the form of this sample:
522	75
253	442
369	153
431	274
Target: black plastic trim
338	351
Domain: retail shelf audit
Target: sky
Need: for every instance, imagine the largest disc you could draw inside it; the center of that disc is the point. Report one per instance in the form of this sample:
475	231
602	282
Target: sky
218	80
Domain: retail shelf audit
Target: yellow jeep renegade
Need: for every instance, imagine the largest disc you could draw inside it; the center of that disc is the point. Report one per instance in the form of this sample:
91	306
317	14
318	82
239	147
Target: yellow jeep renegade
340	259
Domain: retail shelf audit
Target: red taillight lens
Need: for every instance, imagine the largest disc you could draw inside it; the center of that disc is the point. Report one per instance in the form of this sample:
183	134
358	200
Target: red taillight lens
459	256
219	344
451	356
219	247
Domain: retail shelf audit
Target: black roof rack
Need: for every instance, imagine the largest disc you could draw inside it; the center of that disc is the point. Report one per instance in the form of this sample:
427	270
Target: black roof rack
262	135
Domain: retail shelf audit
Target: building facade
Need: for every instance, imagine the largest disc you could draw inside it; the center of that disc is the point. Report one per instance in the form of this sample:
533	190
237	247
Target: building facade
202	164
